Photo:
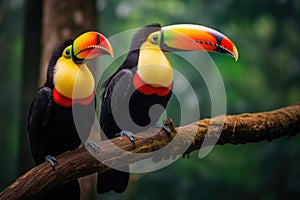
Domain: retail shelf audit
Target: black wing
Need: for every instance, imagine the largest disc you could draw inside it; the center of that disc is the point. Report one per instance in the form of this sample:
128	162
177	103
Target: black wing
38	118
117	91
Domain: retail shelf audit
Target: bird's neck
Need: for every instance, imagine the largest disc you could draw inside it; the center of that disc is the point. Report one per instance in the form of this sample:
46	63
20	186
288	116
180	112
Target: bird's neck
154	73
72	81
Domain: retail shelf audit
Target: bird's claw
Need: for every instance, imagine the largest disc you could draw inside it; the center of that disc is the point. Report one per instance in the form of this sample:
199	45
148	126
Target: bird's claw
93	146
53	162
167	130
164	127
128	134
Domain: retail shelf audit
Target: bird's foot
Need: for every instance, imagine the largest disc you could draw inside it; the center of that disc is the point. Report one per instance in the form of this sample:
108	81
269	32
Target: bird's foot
53	162
93	146
128	134
163	127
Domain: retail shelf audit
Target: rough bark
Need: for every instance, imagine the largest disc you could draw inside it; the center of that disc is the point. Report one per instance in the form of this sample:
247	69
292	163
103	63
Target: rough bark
237	129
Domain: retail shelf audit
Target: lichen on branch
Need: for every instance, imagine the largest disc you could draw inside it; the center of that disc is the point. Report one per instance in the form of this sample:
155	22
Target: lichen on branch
235	129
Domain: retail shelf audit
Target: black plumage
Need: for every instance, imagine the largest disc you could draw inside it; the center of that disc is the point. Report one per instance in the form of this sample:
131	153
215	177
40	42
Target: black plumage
136	94
51	127
119	95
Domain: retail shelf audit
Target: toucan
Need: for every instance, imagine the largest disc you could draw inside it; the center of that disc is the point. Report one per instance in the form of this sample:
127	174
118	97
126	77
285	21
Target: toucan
69	84
145	79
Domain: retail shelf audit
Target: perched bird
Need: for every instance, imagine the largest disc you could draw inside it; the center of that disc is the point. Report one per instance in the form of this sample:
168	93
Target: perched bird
69	84
145	79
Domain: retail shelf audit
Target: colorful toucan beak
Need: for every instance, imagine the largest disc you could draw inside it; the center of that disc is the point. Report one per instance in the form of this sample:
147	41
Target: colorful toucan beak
189	37
90	45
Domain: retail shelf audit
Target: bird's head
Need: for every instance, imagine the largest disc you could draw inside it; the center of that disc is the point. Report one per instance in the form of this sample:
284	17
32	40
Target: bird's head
153	41
183	37
67	68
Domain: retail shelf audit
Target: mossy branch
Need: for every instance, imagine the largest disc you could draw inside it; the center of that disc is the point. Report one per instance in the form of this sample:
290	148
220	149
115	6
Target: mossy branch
236	129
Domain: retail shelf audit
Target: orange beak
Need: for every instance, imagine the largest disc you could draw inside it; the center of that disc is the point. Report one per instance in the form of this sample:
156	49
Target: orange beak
90	45
189	37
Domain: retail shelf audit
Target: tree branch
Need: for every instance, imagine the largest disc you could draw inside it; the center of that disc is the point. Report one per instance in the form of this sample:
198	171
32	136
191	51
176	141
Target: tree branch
237	129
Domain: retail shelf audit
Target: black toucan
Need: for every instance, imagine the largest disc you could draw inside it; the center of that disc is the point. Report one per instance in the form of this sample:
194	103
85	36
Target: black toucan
145	79
69	84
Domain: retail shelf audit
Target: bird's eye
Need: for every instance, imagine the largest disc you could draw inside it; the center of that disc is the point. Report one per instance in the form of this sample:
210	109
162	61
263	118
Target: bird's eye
67	52
155	38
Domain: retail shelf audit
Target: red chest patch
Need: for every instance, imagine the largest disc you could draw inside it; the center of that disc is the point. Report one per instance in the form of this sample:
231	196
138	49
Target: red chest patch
67	102
147	89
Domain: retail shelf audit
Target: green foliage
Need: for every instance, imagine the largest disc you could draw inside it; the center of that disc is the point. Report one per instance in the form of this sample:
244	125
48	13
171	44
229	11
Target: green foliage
11	58
267	76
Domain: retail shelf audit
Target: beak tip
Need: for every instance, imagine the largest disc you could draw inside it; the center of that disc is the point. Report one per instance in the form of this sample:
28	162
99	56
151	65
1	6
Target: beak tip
111	53
235	53
107	46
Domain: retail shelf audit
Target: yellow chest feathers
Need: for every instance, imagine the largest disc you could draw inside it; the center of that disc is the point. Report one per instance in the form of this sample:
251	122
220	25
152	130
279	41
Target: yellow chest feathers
72	80
154	67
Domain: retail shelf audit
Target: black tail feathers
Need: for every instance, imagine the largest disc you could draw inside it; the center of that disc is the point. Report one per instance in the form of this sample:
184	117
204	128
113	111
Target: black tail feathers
112	180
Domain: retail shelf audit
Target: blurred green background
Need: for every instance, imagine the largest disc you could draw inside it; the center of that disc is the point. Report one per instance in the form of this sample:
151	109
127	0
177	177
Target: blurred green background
266	77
